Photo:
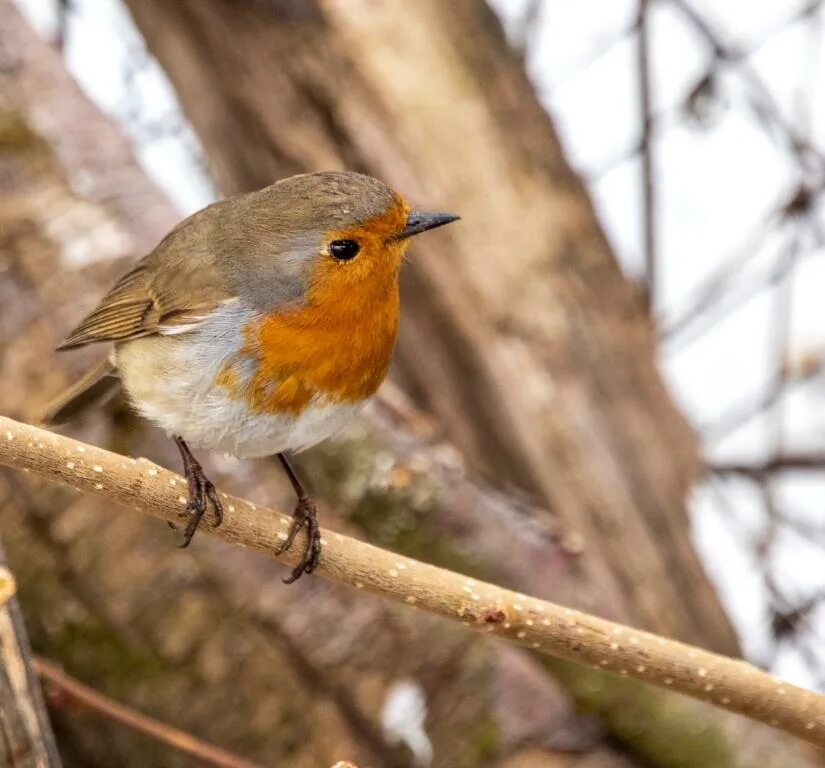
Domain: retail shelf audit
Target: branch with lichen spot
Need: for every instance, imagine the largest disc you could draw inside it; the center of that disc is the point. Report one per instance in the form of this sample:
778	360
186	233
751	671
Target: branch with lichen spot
539	625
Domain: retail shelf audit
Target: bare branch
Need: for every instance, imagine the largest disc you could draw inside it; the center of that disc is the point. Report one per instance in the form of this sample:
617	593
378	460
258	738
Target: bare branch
542	626
648	170
800	462
762	101
95	701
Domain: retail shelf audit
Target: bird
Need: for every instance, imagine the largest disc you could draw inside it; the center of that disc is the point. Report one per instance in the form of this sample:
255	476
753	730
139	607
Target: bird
259	326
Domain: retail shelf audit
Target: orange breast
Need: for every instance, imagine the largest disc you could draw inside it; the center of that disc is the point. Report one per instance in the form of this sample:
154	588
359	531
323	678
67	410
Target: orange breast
340	350
338	345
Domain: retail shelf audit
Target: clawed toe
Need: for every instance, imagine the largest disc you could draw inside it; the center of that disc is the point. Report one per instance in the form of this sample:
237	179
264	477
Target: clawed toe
201	491
304	516
196	507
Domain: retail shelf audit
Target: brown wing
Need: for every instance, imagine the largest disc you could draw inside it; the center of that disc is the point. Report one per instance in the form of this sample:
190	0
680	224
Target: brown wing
152	298
127	311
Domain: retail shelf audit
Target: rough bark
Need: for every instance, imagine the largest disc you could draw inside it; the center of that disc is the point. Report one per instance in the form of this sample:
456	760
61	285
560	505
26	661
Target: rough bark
209	639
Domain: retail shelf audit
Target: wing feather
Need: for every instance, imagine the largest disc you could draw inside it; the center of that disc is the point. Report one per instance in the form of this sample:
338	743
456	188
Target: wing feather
147	302
171	290
125	312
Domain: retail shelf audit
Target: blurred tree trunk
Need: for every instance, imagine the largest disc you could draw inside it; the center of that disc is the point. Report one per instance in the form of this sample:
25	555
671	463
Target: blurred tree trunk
519	332
209	639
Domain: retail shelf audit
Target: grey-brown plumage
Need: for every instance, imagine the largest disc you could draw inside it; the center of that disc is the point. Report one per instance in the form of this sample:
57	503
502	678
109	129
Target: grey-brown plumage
227	249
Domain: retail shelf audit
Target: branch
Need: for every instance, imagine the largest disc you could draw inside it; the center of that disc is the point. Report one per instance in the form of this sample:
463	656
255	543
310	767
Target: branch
783	462
763	103
542	626
643	64
155	729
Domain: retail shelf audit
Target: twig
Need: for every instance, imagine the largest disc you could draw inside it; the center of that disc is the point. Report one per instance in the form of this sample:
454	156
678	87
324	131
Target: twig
154	729
592	57
713	288
64	9
762	100
542	626
731	57
740	415
782	265
648	170
786	462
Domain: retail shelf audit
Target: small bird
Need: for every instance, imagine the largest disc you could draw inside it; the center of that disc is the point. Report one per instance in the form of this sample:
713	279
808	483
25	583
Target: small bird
259	325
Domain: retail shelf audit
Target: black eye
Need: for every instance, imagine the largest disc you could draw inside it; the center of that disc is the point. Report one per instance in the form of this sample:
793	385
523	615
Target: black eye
344	250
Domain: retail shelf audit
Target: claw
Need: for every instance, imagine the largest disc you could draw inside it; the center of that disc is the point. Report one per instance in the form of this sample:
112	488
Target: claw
304	516
201	489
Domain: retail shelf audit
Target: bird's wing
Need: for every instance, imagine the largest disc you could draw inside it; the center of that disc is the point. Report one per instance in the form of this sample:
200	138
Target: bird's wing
171	290
152	299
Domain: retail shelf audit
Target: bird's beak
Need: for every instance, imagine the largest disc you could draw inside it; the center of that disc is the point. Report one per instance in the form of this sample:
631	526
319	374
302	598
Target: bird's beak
418	222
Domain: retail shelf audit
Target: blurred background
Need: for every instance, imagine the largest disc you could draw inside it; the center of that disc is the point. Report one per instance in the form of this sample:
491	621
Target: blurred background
608	389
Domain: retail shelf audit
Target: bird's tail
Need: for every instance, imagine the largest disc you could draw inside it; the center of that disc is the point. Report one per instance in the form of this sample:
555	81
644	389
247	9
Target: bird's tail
90	389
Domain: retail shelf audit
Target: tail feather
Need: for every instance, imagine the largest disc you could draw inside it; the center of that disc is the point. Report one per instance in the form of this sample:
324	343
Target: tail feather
91	389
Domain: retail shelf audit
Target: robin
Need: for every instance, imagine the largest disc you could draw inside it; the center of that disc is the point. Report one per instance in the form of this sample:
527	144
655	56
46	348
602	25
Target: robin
259	325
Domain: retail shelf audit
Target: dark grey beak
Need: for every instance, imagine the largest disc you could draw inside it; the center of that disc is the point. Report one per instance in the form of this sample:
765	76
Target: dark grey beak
418	222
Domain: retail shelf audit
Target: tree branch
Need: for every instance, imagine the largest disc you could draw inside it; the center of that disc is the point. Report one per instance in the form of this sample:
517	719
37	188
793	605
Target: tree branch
643	64
155	729
782	462
542	626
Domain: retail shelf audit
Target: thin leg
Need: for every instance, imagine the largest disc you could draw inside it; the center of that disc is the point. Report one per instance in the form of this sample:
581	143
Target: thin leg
201	489
304	516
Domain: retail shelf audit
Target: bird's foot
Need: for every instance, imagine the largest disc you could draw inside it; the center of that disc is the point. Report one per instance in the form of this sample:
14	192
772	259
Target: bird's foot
304	516
201	491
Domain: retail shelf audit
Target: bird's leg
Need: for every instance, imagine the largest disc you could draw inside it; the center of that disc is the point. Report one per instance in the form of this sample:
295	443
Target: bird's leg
304	516
200	489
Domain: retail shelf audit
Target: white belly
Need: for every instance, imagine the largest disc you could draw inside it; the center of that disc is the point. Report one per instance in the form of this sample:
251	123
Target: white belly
171	381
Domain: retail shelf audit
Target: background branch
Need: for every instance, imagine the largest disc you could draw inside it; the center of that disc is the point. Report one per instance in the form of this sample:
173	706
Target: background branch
539	625
89	698
782	462
649	219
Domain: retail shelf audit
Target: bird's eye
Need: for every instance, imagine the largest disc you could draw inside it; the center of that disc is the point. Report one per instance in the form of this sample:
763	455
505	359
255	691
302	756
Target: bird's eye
344	250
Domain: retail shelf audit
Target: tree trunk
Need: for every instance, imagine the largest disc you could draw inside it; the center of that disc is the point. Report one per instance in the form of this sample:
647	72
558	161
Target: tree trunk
209	639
